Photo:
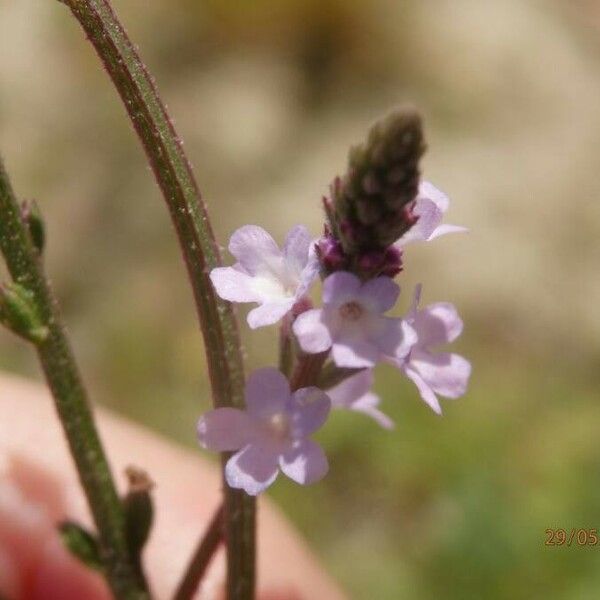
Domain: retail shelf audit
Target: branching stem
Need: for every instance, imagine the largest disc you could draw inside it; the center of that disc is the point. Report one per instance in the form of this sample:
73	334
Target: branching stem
71	400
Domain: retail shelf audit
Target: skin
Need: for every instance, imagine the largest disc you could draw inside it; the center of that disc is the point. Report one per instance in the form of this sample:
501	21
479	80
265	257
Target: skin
38	487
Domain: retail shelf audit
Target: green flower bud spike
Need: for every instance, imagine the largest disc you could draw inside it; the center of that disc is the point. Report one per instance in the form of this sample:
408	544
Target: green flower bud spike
371	204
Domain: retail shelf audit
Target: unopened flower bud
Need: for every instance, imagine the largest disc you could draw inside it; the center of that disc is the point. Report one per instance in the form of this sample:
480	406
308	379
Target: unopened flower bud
393	262
139	510
330	253
371	262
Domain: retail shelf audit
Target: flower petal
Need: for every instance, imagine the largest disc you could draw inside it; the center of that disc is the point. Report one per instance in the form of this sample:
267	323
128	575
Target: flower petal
253	247
437	324
340	287
309	408
309	273
295	248
425	390
224	429
380	294
269	313
233	284
429	191
444	229
414	305
396	337
429	217
353	352
447	374
267	392
253	469
430	206
304	463
367	404
353	394
351	389
313	336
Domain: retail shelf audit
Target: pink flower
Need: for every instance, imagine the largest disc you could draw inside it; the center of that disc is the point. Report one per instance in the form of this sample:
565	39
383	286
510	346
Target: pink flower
440	373
430	206
271	434
352	323
354	394
275	279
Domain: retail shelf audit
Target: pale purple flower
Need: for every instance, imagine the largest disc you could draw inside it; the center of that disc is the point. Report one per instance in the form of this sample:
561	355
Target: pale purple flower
275	279
442	373
352	322
430	206
354	393
271	434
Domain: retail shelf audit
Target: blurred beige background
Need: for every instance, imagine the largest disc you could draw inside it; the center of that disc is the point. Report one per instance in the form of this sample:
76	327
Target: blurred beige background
268	95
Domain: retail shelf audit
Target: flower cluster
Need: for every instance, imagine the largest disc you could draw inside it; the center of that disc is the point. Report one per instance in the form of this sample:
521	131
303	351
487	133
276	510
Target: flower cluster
350	333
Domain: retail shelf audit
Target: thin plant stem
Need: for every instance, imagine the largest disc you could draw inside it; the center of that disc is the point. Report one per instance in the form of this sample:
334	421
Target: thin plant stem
286	347
201	558
200	250
71	400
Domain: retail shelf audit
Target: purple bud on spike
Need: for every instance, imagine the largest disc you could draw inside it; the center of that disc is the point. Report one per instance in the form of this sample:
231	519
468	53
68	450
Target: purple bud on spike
331	254
408	214
371	262
393	262
348	230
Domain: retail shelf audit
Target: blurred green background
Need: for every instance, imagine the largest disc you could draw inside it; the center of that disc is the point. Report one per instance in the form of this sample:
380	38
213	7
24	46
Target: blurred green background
268	95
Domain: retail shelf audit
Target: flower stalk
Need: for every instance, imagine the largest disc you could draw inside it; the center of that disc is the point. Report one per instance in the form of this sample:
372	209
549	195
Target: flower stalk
200	250
58	363
307	370
286	346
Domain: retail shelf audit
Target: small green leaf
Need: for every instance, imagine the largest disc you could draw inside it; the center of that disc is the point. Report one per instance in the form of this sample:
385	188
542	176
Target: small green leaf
81	544
19	312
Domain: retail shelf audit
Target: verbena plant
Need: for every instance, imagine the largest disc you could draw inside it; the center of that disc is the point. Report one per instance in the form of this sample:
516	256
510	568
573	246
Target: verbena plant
326	354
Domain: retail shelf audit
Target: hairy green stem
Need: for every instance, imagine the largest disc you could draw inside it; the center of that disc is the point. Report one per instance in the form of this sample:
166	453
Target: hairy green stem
70	398
174	175
201	558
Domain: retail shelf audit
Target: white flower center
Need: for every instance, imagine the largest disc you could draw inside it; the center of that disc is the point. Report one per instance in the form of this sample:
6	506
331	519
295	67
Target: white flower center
351	311
275	281
279	426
